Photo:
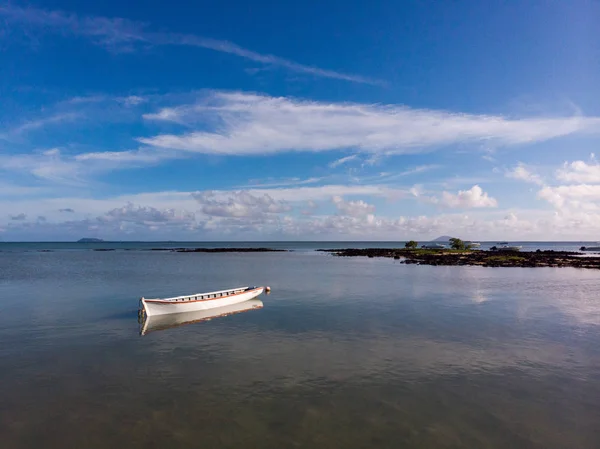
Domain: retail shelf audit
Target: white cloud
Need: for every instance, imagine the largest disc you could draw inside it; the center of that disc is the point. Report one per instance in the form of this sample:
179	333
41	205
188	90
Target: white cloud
32	125
357	208
326	192
124	157
285	182
126	35
239	204
165	114
147	215
419	169
466	199
581	196
132	100
522	173
580	172
342	161
169	216
52	165
245	124
48	165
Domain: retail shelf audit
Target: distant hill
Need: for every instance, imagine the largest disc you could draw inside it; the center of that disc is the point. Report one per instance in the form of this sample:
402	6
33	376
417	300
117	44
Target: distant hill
89	240
443	238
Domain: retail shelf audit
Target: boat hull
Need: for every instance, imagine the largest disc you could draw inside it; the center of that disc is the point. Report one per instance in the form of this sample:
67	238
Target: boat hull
154	307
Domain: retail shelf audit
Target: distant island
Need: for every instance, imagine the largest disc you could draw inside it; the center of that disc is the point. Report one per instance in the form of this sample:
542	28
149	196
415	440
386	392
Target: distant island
443	238
89	240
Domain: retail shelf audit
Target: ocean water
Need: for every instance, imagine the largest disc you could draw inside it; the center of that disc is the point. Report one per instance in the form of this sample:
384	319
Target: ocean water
344	353
287	245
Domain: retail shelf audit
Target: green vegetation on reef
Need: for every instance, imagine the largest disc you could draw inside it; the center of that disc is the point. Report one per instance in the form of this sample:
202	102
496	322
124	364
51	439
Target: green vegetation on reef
411	245
422	251
505	258
459	244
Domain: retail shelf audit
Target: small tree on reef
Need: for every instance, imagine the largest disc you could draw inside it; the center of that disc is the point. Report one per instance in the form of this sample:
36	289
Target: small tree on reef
458	244
411	245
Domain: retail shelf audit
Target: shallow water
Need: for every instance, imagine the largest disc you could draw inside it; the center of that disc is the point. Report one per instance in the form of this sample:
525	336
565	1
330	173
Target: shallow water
348	353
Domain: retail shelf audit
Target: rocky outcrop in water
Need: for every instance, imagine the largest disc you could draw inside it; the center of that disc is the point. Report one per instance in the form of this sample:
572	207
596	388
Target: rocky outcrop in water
226	250
481	258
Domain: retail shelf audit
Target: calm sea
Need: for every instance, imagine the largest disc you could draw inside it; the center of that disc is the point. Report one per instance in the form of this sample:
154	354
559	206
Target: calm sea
345	353
289	245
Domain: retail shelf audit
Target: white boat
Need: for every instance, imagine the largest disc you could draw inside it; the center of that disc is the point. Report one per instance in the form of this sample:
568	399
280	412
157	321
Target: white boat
473	244
433	246
200	301
171	320
509	248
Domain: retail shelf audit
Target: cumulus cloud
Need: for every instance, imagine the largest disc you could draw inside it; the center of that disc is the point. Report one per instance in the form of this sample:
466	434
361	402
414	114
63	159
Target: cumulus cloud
165	215
18	217
580	172
582	190
147	215
239	204
581	196
353	208
522	173
244	124
126	35
466	199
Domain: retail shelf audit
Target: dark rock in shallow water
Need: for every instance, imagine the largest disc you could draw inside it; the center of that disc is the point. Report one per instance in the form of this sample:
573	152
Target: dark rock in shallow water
504	258
226	250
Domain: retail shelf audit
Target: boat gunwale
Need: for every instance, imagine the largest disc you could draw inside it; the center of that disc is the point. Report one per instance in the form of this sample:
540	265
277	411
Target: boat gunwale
174	299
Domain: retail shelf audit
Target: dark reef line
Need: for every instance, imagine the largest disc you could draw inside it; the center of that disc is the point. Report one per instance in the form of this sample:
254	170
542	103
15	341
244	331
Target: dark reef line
538	258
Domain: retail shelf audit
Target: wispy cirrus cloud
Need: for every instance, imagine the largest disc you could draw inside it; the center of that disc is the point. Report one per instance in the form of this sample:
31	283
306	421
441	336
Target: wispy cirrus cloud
126	35
244	124
343	160
39	123
54	166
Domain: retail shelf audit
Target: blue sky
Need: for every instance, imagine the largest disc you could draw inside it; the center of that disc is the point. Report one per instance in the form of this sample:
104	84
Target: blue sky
316	120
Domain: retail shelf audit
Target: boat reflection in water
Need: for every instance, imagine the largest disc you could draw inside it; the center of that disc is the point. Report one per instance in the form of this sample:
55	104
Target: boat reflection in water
163	322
